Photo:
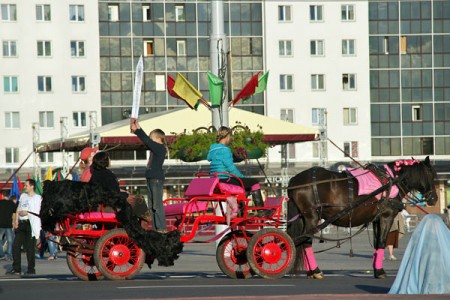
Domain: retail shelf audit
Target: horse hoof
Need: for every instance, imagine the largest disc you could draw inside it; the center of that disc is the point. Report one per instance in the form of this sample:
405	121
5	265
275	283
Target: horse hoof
379	274
315	274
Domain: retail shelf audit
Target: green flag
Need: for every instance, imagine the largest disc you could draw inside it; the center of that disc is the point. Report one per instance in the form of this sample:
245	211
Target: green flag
215	89
262	83
38	187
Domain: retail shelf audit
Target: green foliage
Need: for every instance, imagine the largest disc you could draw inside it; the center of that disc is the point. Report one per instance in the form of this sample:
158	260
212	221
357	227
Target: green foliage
194	147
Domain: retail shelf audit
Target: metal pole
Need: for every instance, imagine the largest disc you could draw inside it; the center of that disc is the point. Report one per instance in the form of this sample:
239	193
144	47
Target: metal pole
218	49
218	56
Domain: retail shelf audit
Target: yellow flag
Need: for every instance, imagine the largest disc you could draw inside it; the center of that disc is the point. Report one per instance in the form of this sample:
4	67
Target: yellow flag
187	91
49	175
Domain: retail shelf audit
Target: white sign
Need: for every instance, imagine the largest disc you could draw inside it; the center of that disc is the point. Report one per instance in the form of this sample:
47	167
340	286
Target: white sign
137	88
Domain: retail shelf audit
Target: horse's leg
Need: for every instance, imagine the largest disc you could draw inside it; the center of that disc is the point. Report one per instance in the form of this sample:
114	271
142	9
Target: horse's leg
380	231
309	259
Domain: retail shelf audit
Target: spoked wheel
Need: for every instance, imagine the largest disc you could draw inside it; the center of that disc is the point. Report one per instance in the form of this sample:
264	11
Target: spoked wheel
271	253
83	265
231	255
117	256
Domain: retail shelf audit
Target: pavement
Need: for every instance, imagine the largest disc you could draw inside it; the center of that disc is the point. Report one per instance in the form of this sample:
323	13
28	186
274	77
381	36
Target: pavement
200	258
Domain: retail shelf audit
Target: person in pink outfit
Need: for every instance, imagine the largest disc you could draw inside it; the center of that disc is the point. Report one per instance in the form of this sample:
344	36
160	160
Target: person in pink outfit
86	156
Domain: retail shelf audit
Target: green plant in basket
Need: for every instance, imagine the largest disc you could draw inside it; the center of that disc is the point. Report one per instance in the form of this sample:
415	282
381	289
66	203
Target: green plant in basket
247	144
193	147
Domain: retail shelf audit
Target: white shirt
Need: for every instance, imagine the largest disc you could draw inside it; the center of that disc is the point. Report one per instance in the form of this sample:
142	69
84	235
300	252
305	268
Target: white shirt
31	204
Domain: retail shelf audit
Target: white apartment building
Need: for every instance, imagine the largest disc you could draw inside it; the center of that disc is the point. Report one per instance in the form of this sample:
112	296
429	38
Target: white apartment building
318	56
50	76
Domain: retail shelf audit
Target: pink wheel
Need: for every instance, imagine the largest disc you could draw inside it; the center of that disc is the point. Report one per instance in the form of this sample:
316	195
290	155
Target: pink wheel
231	255
83	265
117	256
271	253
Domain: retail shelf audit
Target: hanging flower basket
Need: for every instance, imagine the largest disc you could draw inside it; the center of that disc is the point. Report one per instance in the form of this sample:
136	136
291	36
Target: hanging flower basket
245	144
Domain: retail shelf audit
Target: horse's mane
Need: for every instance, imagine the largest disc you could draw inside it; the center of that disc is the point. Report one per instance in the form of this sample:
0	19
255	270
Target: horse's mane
416	174
62	198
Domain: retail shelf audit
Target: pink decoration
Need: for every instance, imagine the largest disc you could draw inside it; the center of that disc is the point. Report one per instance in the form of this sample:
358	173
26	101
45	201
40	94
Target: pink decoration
404	162
378	256
309	259
369	182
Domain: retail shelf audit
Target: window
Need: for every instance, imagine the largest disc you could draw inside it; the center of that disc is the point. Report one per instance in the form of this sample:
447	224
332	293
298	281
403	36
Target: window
44	48
113	13
46	157
79	119
9	12
77	48
11	155
287	114
181	47
46	119
179	13
12	119
348	82
316	13
78	84
317	82
284	13
160	82
315	149
286	82
347	12
10	84
351	149
76	13
44	84
285	47
146	13
386	45
348	47
350	116
43	12
403	45
316	47
318	116
417	113
148	48
9	48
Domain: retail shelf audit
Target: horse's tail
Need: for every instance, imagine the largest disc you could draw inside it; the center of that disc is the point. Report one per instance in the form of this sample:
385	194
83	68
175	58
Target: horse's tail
295	229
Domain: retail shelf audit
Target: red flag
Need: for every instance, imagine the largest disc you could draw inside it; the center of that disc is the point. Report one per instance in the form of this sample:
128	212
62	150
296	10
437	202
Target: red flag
19	183
247	90
170	85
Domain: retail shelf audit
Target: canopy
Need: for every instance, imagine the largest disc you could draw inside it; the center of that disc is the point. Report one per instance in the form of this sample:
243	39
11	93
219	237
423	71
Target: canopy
117	136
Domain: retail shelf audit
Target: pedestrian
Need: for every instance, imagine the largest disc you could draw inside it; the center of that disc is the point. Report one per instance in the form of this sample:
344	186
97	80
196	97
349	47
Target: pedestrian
395	234
425	267
86	156
156	143
7	212
27	225
221	160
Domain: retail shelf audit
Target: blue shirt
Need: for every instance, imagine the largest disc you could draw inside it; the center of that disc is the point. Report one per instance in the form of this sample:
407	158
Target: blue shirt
221	160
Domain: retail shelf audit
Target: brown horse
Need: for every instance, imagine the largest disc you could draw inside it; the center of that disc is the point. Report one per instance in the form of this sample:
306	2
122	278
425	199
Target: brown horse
318	193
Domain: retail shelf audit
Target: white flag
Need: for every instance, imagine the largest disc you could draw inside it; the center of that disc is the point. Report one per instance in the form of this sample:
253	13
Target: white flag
137	88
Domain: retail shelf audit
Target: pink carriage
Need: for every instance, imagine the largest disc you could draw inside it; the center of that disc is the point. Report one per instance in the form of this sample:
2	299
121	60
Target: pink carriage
249	245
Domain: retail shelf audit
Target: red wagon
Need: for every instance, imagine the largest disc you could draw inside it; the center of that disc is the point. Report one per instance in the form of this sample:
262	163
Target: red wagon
249	244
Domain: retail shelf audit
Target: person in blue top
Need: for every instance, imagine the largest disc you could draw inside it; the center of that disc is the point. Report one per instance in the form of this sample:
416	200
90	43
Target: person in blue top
156	143
221	160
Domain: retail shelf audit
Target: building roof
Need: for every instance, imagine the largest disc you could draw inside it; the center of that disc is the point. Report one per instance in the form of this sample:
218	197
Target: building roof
117	136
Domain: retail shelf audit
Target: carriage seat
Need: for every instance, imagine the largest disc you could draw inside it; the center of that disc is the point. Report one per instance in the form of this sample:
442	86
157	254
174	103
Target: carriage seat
199	186
96	215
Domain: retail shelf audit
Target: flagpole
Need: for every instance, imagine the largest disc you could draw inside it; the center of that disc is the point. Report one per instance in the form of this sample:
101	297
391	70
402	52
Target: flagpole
218	49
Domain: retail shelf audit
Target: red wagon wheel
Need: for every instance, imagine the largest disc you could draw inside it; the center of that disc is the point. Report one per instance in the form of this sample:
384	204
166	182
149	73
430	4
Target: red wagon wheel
271	253
117	256
231	255
83	265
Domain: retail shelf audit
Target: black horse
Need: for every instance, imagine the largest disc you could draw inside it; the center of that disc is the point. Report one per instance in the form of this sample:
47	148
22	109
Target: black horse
318	193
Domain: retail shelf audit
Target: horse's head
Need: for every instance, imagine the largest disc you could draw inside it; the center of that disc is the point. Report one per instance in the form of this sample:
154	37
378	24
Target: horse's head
419	176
